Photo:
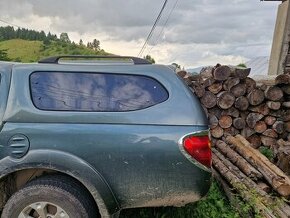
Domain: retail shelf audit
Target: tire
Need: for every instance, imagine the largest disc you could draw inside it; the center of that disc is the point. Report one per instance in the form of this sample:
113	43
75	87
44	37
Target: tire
49	194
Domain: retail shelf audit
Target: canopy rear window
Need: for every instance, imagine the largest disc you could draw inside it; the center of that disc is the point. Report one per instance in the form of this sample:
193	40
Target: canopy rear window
73	91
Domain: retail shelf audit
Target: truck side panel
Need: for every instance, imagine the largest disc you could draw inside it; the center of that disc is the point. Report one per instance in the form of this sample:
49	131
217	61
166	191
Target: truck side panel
141	163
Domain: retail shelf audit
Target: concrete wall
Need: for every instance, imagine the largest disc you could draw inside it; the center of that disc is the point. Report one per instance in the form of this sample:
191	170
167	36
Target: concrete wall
281	40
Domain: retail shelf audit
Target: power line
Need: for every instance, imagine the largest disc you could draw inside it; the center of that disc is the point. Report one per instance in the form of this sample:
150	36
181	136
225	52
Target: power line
152	29
165	24
11	24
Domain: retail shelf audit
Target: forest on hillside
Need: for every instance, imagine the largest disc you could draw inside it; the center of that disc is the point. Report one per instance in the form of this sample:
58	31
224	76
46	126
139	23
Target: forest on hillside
25	45
9	32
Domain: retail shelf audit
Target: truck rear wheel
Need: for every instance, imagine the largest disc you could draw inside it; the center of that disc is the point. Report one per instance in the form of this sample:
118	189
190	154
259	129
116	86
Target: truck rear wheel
51	196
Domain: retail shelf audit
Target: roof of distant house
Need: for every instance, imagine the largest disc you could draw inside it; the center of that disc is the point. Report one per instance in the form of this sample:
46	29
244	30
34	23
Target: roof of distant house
258	65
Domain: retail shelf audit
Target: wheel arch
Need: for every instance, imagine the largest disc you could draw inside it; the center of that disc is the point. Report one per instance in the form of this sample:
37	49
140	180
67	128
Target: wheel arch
67	164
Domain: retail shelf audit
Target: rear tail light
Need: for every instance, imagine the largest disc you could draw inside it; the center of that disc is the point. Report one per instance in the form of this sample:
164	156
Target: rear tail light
198	147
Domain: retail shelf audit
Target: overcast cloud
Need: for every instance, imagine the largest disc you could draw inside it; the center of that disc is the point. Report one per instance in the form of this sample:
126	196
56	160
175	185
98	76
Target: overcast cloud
199	32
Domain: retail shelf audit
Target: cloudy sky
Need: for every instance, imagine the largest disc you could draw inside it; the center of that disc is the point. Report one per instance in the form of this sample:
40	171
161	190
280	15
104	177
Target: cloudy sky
198	32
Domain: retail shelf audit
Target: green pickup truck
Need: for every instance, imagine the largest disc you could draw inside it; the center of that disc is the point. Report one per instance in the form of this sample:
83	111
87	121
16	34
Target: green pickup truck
84	138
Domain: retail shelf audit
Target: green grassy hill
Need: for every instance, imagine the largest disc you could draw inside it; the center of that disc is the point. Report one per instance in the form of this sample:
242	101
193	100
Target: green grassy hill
31	51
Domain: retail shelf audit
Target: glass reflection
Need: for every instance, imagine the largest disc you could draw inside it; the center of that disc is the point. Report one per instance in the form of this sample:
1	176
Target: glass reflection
94	91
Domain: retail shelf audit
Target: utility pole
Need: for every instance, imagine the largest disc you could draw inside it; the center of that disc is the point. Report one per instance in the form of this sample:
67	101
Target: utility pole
280	53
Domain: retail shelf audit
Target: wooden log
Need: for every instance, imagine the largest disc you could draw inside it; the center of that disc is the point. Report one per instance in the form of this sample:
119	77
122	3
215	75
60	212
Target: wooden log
195	83
260	127
247	132
270	120
242	73
286	89
275	177
230	82
284	135
226	187
261	109
286	104
206	72
239	90
239	123
268	141
225	121
268	80
262	86
213	142
235	170
215	111
181	73
274	105
255	141
187	80
225	100
263	186
244	114
270	133
231	131
287	126
208	99
251	84
282	79
195	77
245	185
256	97
274	93
213	121
199	91
278	126
238	160
240	186
208	82
253	118
222	73
233	112
283	156
286	116
215	88
217	132
242	103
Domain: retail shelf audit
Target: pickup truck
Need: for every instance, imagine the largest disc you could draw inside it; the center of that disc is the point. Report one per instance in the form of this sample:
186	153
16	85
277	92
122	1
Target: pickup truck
83	138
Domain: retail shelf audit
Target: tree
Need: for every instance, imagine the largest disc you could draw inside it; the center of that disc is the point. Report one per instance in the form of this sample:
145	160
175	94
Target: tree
46	41
4	56
89	45
242	65
64	37
81	43
150	59
96	44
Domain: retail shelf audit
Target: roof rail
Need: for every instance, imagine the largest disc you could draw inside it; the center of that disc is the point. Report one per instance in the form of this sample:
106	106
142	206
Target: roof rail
55	59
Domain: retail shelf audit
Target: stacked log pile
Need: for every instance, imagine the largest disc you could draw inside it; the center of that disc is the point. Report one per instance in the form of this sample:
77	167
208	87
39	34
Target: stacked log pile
236	104
243	116
237	164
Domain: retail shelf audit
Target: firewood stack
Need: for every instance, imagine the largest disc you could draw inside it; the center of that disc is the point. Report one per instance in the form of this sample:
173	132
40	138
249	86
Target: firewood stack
243	116
236	104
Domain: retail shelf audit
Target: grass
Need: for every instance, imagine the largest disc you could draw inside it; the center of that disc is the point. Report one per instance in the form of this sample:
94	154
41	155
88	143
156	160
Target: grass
215	205
268	152
22	50
31	51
